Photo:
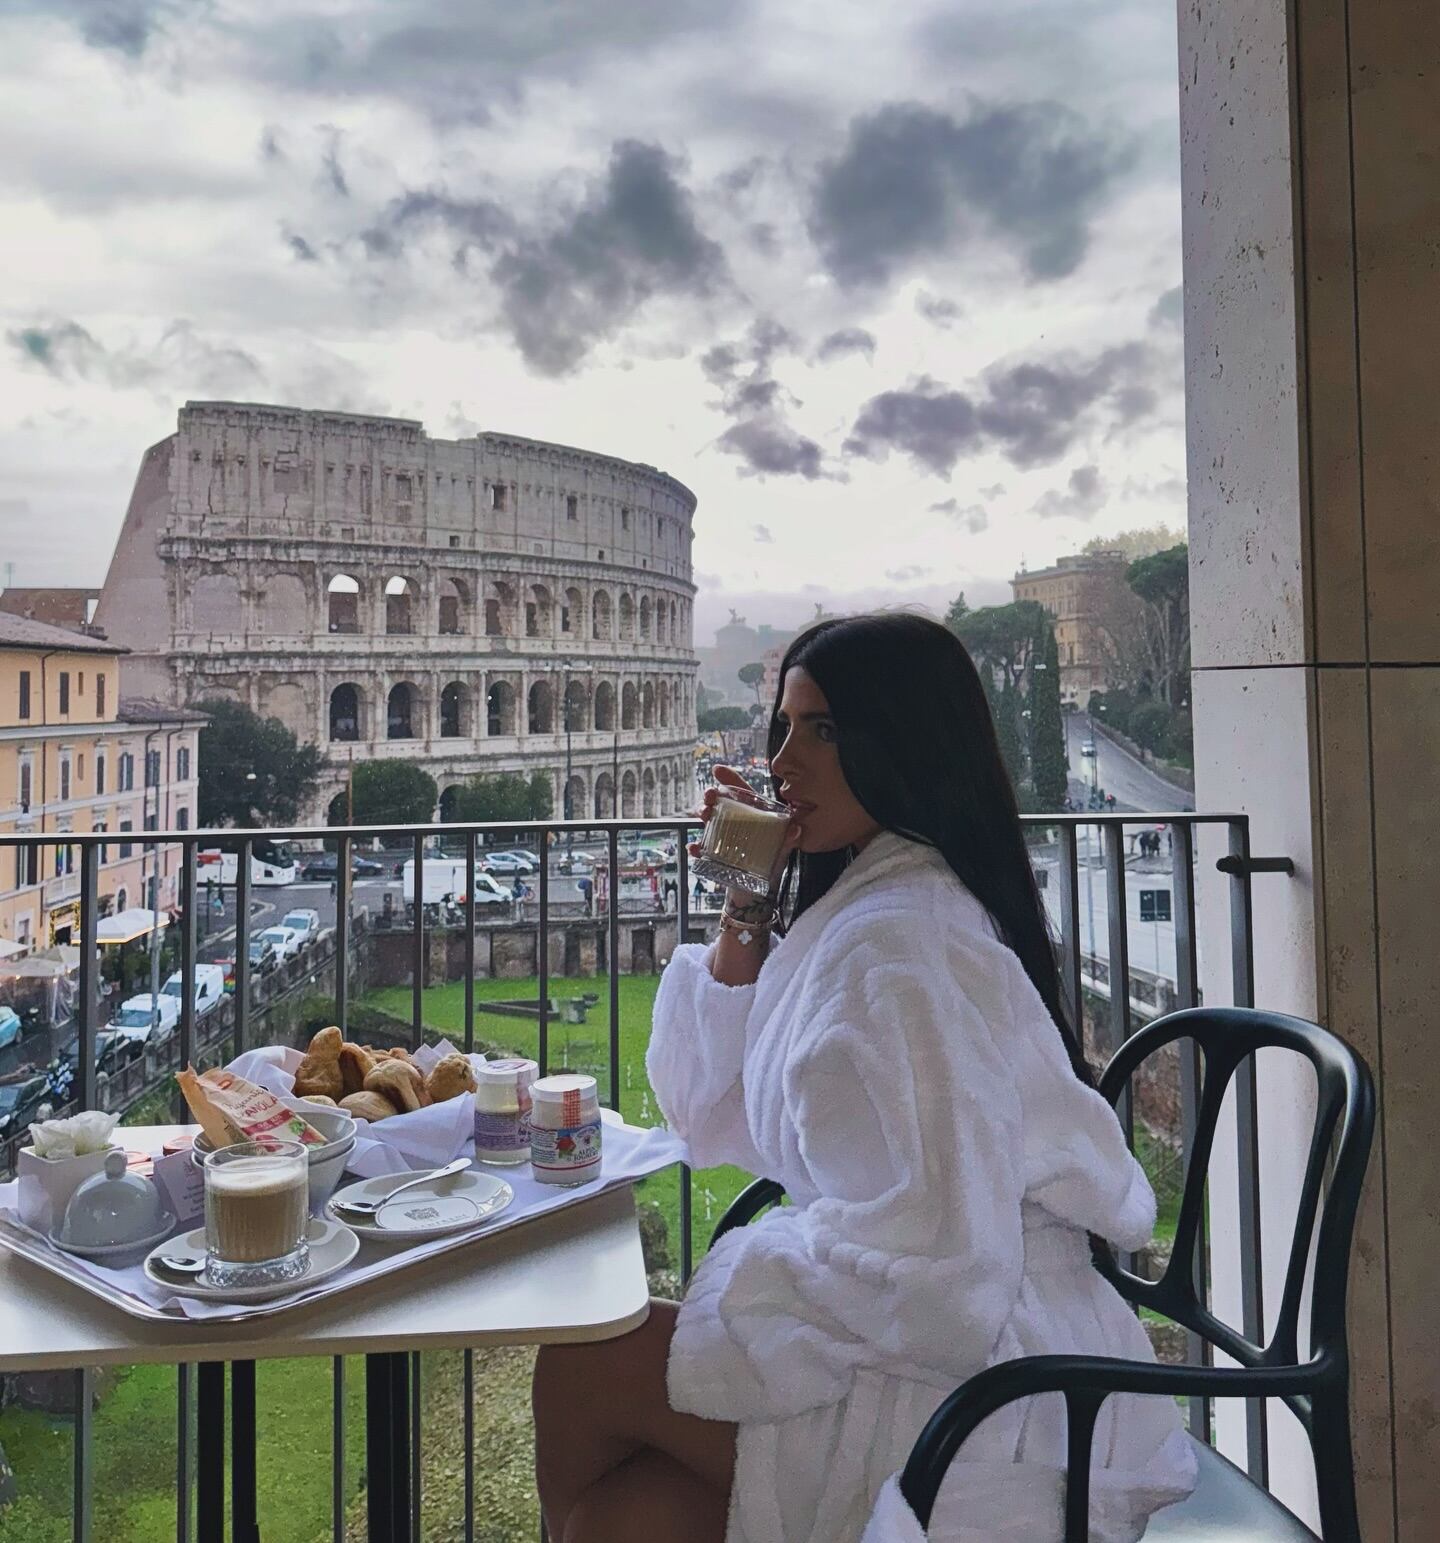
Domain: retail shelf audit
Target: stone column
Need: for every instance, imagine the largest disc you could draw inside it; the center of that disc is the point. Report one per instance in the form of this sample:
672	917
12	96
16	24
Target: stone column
1312	322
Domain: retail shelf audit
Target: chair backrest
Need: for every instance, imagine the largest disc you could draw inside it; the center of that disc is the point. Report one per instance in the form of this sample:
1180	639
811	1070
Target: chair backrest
1344	1119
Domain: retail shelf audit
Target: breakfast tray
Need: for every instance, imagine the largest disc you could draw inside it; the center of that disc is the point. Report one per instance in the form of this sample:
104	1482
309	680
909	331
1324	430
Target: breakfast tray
630	1153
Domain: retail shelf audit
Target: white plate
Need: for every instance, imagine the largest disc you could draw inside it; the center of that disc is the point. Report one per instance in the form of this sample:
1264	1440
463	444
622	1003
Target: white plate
332	1247
485	1193
114	1253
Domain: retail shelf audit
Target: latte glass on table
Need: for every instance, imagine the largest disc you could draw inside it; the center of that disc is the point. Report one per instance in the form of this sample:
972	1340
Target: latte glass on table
256	1213
742	843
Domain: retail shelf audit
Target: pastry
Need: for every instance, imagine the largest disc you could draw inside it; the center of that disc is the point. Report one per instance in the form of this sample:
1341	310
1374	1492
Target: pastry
399	1082
451	1077
355	1063
320	1070
319	1098
367	1106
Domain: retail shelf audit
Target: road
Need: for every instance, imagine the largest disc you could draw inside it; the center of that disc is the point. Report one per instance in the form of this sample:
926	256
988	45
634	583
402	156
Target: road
1135	785
1152	944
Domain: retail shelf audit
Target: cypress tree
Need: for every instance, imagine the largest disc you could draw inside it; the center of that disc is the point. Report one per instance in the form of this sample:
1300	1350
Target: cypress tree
1048	767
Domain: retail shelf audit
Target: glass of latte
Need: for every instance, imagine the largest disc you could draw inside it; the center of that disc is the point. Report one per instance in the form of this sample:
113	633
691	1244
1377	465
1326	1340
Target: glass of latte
742	843
257	1204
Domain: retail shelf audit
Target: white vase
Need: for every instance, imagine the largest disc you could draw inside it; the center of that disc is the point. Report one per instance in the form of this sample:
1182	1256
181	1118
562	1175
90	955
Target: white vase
47	1183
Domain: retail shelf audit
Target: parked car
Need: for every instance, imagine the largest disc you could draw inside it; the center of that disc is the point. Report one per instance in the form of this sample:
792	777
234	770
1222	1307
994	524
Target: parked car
9	1026
326	865
525	856
644	857
147	1019
113	1051
285	941
503	862
576	863
209	987
262	955
306	923
488	892
1087	748
22	1102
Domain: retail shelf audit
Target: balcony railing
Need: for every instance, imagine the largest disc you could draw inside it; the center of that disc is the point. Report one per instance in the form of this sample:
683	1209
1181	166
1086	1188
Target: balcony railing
1096	939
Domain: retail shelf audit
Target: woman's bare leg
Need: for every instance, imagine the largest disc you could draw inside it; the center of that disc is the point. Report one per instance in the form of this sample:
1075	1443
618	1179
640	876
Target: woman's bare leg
599	1405
650	1497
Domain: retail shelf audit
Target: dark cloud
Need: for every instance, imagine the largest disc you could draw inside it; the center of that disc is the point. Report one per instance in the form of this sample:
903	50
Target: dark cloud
301	249
848	340
907	575
331	171
120	26
1169	309
180	358
937	310
1082	497
271	149
974	517
471	224
1030	413
913	182
771	447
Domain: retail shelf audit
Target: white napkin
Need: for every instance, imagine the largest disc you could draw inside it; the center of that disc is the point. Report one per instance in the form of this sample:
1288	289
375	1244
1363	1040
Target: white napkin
425	1138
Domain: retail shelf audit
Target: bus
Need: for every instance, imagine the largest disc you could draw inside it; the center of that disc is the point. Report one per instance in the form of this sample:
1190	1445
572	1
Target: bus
272	864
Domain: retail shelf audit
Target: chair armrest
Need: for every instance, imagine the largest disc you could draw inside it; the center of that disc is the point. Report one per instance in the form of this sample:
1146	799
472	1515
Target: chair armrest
747	1205
1085	1381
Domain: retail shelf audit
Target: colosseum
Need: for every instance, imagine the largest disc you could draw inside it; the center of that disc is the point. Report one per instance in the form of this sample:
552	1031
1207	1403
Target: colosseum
478	605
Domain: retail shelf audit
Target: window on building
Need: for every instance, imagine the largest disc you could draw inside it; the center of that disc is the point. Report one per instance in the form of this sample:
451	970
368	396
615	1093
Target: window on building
100	696
150	825
27	867
564	618
624	519
64	691
64	779
497	496
27	777
126	779
572	507
182	819
182	764
99	827
99	773
24	710
454	541
80	684
152	768
126	848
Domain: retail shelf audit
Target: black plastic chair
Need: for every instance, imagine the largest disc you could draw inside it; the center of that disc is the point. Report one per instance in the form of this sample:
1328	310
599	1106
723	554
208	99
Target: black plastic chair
1226	1506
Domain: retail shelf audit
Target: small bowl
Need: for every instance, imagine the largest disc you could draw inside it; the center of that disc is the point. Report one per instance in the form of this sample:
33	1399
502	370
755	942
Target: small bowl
326	1164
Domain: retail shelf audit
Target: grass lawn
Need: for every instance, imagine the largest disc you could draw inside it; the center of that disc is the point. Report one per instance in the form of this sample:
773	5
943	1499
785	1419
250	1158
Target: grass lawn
583	1047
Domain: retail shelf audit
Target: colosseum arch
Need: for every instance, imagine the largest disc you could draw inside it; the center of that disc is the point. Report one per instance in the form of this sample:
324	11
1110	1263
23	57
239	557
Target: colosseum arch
674	623
573	803
215	604
449	799
572	612
649	786
347	709
605	706
403	712
647	705
286	605
665	804
644	618
600	614
454	618
604	797
628	789
628	706
400	602
577	708
661	629
540	709
500	708
664	695
539	620
499	609
455	712
342	600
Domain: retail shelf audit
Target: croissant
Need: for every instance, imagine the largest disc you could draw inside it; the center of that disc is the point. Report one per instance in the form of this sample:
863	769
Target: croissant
398	1082
368	1106
318	1098
320	1070
451	1076
355	1063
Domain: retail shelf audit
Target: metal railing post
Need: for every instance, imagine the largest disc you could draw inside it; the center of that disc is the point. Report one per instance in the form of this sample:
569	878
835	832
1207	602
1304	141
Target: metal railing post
1070	975
242	945
84	1088
342	934
187	954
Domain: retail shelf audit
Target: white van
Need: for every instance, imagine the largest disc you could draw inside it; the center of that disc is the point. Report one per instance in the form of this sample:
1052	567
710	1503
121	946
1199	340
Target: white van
209	988
443	878
146	1019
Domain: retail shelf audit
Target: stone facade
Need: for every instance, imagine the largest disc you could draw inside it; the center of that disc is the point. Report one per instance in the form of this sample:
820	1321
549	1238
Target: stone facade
455	603
1082	595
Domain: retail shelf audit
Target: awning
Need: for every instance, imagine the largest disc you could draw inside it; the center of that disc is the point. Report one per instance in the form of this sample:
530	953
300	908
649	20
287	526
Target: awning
125	926
8	950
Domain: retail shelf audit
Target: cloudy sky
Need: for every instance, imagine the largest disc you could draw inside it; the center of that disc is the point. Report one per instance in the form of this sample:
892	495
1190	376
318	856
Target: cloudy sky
893	288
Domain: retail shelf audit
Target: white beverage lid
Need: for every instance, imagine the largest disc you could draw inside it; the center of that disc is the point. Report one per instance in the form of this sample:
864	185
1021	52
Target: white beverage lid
508	1074
556	1089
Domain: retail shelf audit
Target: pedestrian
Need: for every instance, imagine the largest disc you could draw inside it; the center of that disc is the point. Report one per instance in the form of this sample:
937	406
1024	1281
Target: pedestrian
333	886
587	893
517	897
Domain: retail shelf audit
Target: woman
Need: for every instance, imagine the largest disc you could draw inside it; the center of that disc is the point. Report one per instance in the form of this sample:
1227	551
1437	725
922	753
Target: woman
900	1060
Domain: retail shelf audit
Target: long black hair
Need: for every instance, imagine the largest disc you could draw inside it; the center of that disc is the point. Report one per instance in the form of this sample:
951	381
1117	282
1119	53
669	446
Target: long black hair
918	748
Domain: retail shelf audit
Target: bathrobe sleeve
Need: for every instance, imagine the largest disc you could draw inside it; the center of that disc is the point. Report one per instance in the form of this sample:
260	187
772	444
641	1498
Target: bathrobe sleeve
694	1060
906	1123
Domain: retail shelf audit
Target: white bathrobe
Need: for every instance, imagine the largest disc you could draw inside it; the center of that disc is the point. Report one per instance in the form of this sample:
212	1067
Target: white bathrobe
896	1071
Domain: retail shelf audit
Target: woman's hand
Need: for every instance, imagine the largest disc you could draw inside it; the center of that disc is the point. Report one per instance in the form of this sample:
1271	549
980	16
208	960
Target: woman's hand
733	785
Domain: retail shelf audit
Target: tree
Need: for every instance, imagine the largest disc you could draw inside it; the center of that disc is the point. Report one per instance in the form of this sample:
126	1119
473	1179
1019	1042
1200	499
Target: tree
718	719
1001	637
1162	582
542	797
751	675
252	770
957	613
1049	769
1144	542
1007	731
393	793
507	796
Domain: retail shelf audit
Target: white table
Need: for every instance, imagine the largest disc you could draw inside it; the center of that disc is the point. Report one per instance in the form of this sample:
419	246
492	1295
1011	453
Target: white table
572	1275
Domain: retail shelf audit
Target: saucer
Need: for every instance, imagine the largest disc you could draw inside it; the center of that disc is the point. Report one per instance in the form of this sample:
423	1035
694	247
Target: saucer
115	1254
332	1247
454	1204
